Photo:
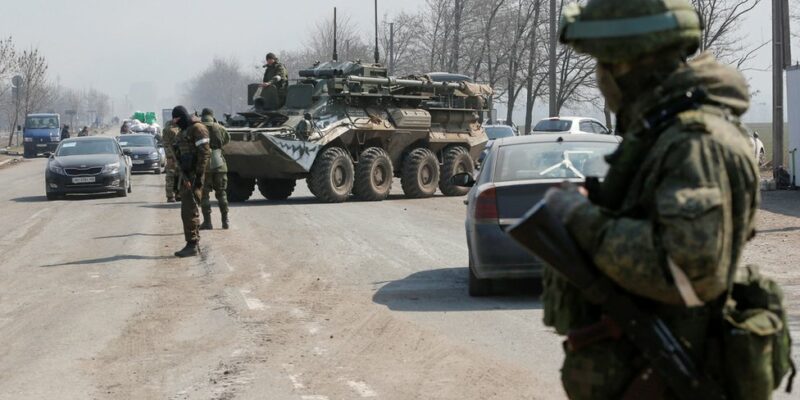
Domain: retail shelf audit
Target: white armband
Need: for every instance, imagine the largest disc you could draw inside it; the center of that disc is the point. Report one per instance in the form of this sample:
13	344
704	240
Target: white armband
201	142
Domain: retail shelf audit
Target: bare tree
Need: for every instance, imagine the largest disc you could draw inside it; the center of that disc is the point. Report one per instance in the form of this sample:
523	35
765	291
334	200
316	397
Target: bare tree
406	36
722	35
34	94
221	87
8	63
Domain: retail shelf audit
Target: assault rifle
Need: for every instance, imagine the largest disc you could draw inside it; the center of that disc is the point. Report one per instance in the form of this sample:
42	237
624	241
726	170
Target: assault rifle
544	235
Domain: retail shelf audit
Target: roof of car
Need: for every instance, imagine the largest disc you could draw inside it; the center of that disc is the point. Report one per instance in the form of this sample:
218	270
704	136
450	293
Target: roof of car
498	126
554	137
86	138
135	134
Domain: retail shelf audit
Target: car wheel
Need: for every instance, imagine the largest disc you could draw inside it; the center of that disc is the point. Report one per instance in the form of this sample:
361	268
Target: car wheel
54	196
478	287
456	160
373	175
332	175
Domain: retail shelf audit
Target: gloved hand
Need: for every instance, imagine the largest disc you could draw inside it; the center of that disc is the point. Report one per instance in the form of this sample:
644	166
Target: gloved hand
563	200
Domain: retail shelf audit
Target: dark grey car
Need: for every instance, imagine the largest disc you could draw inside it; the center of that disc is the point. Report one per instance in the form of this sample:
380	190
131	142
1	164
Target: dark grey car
515	175
147	155
88	165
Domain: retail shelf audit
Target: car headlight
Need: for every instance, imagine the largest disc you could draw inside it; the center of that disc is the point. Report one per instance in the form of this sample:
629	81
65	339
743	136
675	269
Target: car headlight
55	168
28	139
55	139
111	168
154	155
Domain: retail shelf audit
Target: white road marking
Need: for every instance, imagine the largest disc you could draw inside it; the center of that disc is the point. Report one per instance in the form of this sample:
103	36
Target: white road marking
362	389
94	276
296	381
252	302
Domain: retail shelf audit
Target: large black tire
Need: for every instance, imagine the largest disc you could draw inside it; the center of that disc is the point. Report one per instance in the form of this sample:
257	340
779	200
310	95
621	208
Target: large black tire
239	189
332	175
456	160
478	287
276	189
420	174
374	175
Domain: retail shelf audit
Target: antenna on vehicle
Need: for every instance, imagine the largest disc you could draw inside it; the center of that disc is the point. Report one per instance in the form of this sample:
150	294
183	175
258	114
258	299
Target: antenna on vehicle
377	55
335	54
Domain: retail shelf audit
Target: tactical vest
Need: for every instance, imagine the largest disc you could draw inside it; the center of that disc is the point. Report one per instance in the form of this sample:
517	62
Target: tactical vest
186	150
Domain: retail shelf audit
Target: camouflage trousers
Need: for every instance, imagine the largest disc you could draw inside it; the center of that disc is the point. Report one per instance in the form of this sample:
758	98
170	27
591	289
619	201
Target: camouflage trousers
218	182
170	180
189	213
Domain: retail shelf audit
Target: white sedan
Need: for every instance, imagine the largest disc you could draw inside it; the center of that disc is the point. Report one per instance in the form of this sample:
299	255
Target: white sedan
758	149
570	125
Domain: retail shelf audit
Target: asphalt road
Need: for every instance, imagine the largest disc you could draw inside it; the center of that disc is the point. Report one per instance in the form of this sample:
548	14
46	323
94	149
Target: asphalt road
299	300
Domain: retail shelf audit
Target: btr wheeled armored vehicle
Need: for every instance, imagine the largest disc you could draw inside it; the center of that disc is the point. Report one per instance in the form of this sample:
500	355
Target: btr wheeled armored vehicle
348	129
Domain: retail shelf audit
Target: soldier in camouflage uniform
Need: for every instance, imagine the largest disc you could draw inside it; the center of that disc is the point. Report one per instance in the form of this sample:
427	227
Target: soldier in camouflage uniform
669	221
216	172
168	136
276	75
192	152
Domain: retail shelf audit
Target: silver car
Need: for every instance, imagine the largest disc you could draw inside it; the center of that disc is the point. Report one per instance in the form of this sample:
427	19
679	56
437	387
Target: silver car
570	125
516	173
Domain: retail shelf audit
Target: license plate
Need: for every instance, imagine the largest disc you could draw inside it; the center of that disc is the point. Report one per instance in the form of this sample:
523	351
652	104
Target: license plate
41	145
83	179
138	162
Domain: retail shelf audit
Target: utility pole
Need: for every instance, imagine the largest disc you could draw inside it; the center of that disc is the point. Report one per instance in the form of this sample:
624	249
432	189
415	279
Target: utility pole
781	58
391	49
552	71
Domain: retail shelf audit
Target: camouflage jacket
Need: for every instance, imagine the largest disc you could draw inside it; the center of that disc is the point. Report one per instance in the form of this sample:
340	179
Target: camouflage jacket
168	136
276	69
193	149
690	202
219	137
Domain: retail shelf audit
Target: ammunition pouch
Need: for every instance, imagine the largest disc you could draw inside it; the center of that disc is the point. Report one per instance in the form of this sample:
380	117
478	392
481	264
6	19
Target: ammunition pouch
565	307
756	345
187	163
217	161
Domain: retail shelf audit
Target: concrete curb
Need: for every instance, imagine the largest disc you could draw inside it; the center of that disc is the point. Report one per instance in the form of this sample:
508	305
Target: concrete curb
2	163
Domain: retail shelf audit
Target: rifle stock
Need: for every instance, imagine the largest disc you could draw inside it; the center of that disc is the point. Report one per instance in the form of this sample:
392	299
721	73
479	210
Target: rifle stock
545	236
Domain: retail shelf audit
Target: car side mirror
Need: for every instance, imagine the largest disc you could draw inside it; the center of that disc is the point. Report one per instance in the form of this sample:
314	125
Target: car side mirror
755	135
127	152
48	154
463	179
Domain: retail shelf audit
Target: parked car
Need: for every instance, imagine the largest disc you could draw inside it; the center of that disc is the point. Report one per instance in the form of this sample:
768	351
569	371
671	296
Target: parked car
516	173
88	165
570	125
147	154
495	132
41	134
758	149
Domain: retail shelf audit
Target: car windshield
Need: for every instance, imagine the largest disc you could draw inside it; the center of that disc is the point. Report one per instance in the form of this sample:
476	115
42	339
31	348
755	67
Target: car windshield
497	132
562	160
41	122
136	141
553	125
86	147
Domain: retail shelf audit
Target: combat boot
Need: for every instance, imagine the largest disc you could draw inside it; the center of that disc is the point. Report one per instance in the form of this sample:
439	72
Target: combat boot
225	222
190	250
206	225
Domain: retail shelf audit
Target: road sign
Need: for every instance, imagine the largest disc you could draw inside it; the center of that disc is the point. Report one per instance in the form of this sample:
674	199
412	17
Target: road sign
17	81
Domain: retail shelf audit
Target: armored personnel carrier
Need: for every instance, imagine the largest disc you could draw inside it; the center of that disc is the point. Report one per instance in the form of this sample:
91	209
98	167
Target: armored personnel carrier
348	129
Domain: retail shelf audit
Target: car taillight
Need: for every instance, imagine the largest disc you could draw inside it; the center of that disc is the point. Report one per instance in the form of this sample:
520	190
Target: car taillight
486	204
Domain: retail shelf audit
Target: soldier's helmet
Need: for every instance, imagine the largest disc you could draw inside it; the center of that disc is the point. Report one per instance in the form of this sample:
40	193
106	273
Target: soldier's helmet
615	31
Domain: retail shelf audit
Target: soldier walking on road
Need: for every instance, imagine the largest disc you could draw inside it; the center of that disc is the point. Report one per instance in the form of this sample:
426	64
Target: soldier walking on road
668	223
168	136
192	153
216	172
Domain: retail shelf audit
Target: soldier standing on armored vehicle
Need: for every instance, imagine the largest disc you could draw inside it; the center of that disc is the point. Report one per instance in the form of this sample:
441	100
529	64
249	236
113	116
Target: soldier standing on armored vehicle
168	136
275	74
668	224
216	172
192	152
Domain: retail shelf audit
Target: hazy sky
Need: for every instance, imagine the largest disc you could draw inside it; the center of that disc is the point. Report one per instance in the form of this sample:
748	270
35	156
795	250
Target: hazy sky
110	44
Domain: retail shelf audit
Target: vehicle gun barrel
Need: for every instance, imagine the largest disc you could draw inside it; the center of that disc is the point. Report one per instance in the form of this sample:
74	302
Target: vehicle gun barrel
390	81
